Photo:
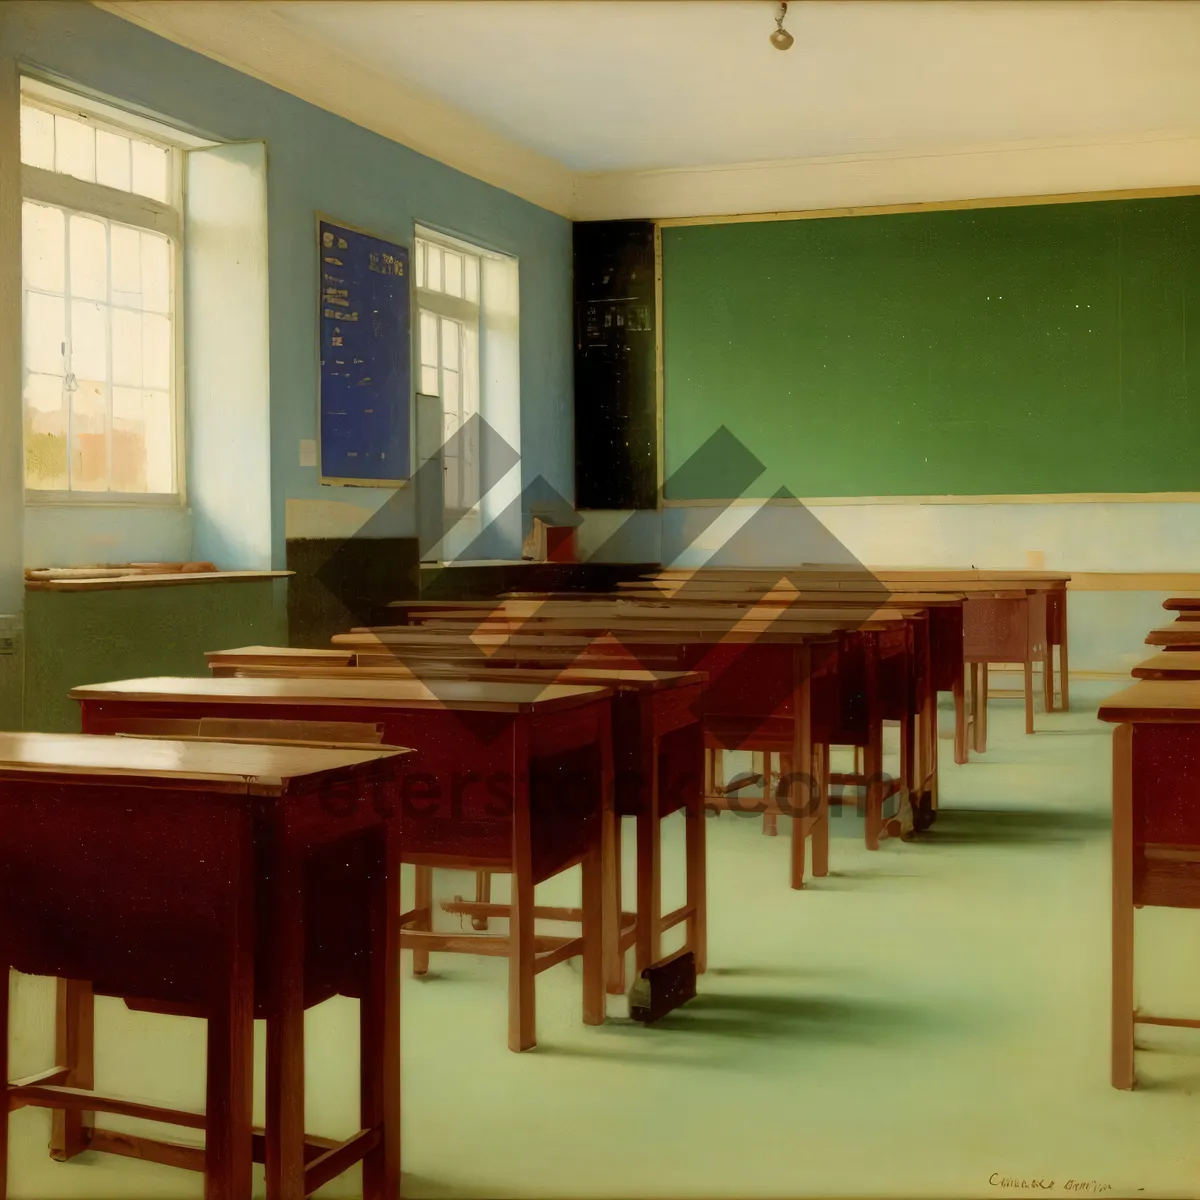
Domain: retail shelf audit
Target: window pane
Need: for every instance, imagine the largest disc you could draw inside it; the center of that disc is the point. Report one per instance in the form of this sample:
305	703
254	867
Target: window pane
37	137
45	433
158	415
43	250
429	381
156	273
128	441
452	273
149	171
89	258
89	339
126	347
471	279
126	249
45	334
450	392
433	268
429	346
450	336
89	437
156	351
74	149
112	159
419	255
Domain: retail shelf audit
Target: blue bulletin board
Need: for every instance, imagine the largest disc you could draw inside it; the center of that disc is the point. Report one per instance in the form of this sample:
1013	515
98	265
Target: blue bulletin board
365	379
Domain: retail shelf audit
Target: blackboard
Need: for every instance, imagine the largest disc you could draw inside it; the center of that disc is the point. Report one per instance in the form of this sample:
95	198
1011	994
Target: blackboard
365	382
1037	349
616	408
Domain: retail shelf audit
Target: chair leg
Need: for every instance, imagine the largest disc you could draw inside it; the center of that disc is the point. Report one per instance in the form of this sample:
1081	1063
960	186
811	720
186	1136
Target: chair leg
1048	677
423	904
873	768
1028	695
483	895
74	1045
697	890
762	764
981	717
379	1028
593	936
820	827
1063	676
770	824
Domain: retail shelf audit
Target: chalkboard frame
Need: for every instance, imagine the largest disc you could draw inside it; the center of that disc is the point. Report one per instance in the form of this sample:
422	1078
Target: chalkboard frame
324	480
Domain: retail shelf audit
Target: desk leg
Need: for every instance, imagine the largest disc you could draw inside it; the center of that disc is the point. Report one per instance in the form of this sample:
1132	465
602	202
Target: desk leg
981	709
521	980
648	944
820	829
4	1116
379	1024
483	895
1028	695
423	906
1063	675
1122	908
614	956
285	1026
800	784
1048	676
595	933
697	886
960	718
873	769
74	1047
229	1089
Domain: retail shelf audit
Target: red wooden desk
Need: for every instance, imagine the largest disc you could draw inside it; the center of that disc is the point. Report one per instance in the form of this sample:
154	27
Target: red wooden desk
1181	636
1186	608
658	751
221	881
1169	665
1156	833
512	777
759	695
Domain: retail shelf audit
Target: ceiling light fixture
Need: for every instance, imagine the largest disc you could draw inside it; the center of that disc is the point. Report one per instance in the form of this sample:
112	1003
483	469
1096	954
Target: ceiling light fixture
781	39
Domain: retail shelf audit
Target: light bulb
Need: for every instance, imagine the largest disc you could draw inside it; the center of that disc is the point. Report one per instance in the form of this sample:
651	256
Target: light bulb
781	39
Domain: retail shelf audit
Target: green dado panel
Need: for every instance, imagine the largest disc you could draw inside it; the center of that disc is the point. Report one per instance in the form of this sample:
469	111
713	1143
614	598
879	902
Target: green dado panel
1051	348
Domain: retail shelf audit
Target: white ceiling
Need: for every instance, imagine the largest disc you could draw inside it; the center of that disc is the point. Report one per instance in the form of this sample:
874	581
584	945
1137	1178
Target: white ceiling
642	84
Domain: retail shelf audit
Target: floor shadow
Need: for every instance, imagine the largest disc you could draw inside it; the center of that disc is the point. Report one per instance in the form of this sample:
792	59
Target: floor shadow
1025	827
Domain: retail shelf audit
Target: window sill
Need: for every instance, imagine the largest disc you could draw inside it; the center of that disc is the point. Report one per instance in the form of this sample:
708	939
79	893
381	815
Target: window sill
35	498
174	579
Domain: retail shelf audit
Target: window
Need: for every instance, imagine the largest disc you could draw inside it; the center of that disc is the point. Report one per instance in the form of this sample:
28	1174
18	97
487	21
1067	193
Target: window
101	242
447	279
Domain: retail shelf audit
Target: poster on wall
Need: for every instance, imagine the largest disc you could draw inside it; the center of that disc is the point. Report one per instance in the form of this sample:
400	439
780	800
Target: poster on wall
365	368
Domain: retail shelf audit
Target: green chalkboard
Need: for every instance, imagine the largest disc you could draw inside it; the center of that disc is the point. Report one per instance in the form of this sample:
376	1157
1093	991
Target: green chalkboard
1042	349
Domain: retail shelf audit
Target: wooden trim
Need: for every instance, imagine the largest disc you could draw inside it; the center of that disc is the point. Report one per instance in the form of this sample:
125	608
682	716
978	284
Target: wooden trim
1134	581
176	579
995	498
659	381
883	210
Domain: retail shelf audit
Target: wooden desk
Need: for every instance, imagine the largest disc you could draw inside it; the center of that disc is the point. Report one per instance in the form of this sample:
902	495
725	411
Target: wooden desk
182	876
1156	833
1181	636
512	777
658	752
1168	665
1187	608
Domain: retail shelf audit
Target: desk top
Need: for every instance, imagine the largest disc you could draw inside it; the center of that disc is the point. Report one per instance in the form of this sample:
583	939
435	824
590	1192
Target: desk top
456	694
247	768
1180	633
1183	664
256	654
1182	604
1165	700
865	574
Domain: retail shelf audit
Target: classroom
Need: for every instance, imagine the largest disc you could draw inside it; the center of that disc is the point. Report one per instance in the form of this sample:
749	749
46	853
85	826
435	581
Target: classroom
599	597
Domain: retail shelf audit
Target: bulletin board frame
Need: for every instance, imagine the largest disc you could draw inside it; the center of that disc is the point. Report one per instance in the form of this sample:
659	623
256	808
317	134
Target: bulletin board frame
405	401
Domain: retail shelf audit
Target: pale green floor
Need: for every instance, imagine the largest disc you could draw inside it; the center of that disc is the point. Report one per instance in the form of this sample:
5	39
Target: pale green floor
926	1016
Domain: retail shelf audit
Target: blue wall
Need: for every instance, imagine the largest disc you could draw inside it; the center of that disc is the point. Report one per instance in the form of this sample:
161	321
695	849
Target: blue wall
321	162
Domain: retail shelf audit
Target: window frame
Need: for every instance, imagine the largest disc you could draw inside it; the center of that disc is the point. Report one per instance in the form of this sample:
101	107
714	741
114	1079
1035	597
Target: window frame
468	313
78	196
